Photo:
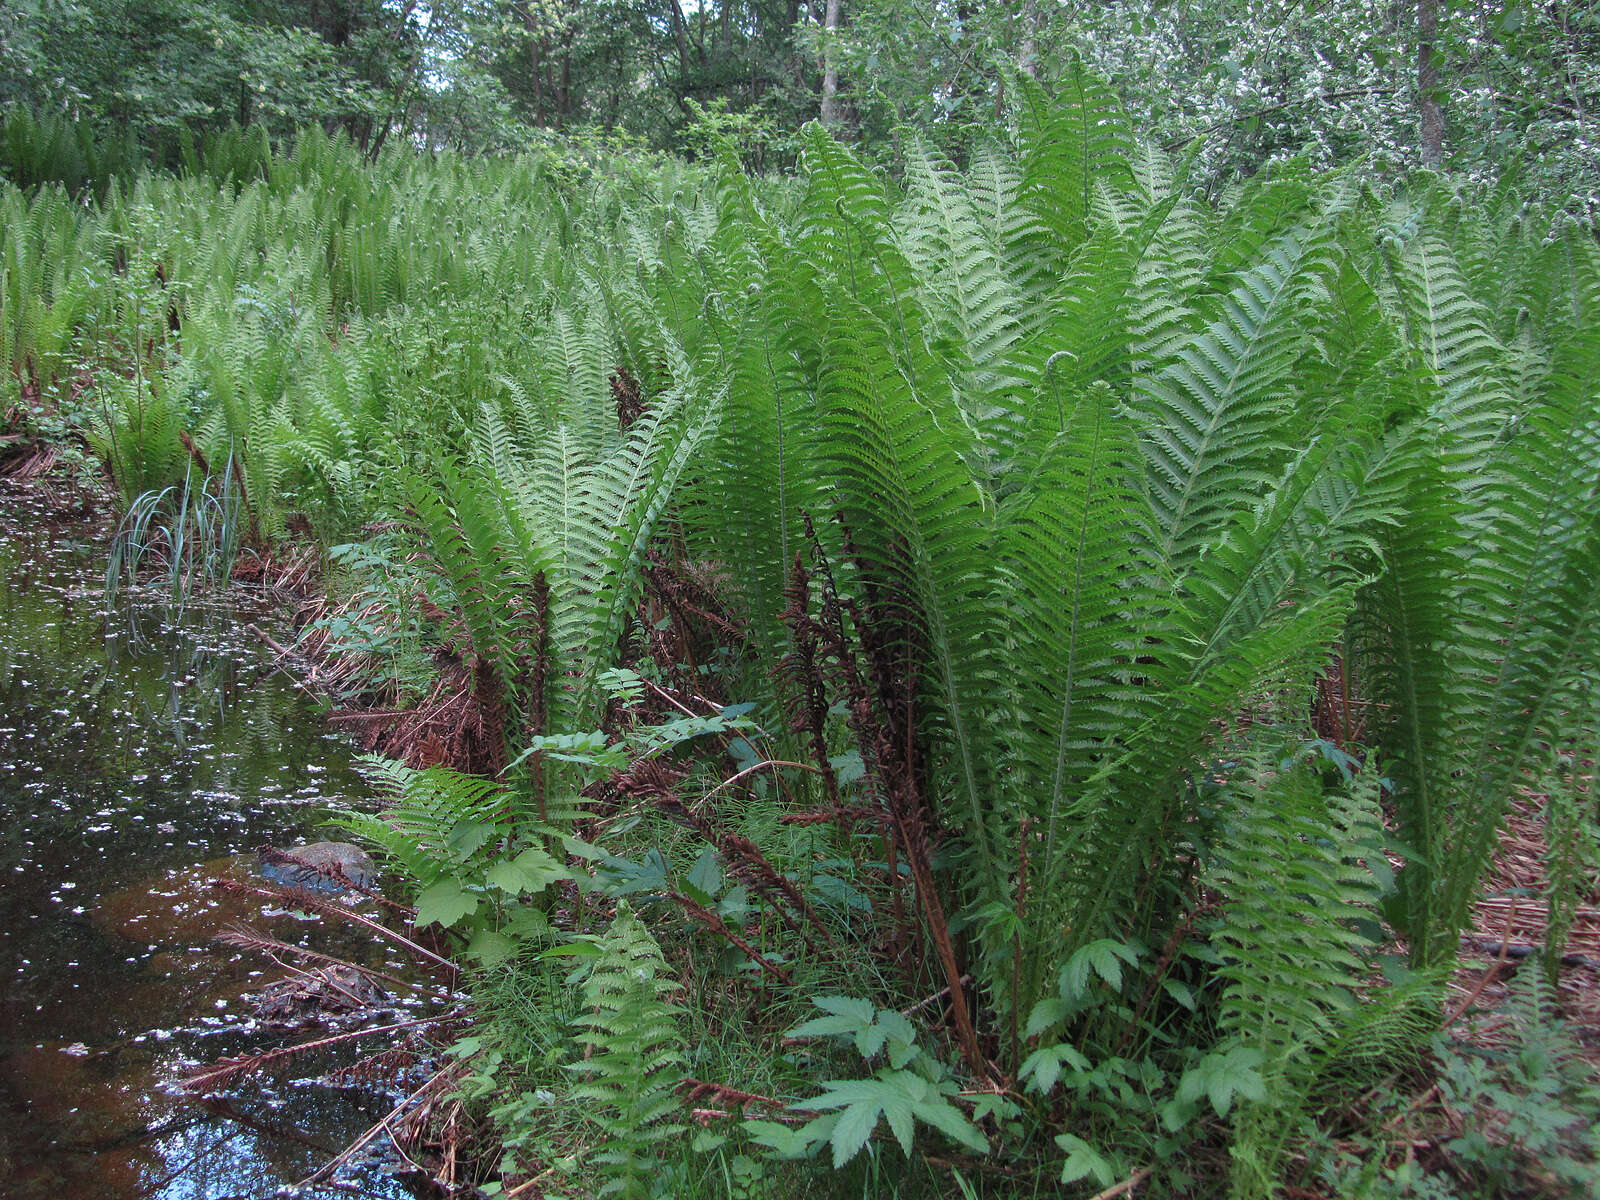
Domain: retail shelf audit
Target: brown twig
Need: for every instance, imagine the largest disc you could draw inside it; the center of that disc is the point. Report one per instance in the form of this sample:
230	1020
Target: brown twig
250	939
229	1069
302	899
933	999
717	925
1125	1187
322	1173
1487	975
760	766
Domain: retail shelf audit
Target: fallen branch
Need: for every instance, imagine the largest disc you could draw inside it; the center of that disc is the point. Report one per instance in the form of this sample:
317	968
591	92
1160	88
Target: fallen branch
228	1070
1518	951
306	901
247	938
322	1173
1126	1186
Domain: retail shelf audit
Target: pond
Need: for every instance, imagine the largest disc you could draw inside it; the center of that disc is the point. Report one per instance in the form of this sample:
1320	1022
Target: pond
141	759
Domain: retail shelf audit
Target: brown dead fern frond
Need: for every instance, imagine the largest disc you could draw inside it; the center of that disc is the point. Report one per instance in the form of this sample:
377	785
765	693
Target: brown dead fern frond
247	938
310	902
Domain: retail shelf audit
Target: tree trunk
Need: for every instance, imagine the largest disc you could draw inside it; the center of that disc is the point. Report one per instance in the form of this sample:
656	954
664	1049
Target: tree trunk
535	63
831	109
680	35
1028	47
566	80
1429	111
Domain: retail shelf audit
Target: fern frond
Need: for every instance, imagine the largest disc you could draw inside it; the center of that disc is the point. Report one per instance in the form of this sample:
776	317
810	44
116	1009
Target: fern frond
635	1056
433	821
1296	891
1221	418
1069	145
1449	332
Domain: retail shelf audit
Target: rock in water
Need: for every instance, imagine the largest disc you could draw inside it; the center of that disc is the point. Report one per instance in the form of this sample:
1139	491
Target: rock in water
320	866
308	996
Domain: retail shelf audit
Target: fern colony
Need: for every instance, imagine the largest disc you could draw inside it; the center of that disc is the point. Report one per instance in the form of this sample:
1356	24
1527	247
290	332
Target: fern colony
911	594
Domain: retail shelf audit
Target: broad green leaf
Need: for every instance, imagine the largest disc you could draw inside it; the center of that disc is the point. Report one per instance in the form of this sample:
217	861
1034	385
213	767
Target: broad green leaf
898	1111
783	1140
824	1027
851	1006
529	872
1047	1013
1084	1160
468	837
1042	1068
445	903
706	874
854	1127
491	947
950	1121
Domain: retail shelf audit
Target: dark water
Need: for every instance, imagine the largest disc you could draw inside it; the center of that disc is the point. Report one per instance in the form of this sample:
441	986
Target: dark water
138	762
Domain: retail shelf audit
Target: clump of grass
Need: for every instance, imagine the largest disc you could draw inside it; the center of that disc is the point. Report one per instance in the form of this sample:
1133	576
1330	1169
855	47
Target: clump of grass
192	534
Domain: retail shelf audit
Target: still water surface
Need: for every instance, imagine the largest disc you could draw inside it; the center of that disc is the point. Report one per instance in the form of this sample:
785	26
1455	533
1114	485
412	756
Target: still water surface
139	760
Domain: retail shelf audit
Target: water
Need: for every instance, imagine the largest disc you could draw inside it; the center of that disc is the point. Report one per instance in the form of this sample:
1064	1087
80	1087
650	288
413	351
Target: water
138	762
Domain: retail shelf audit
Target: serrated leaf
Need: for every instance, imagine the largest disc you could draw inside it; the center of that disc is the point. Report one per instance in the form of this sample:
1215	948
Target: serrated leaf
870	1040
524	922
1219	1090
444	904
1049	1011
824	1027
950	1121
491	947
848	767
1083	1159
817	1131
842	1092
898	1027
706	875
851	1131
902	1037
1074	977
1040	1070
993	1104
695	895
1107	964
735	904
1043	1067
851	1006
705	1141
1181	992
898	1113
781	1139
468	837
529	872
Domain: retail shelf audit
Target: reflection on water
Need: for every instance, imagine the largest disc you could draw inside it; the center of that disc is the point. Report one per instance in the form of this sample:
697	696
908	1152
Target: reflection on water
136	762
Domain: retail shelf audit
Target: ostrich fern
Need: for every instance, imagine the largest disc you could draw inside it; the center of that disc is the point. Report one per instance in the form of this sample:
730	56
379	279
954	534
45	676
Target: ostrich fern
633	1058
1104	469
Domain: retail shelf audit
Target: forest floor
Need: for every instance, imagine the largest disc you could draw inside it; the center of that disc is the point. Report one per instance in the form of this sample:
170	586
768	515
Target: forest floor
1510	924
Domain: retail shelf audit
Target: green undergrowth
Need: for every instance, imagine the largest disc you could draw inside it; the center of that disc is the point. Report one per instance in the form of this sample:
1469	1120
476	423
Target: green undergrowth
998	682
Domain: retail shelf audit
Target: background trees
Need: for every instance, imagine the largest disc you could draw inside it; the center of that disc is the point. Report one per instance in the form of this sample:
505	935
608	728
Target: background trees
159	66
1254	80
